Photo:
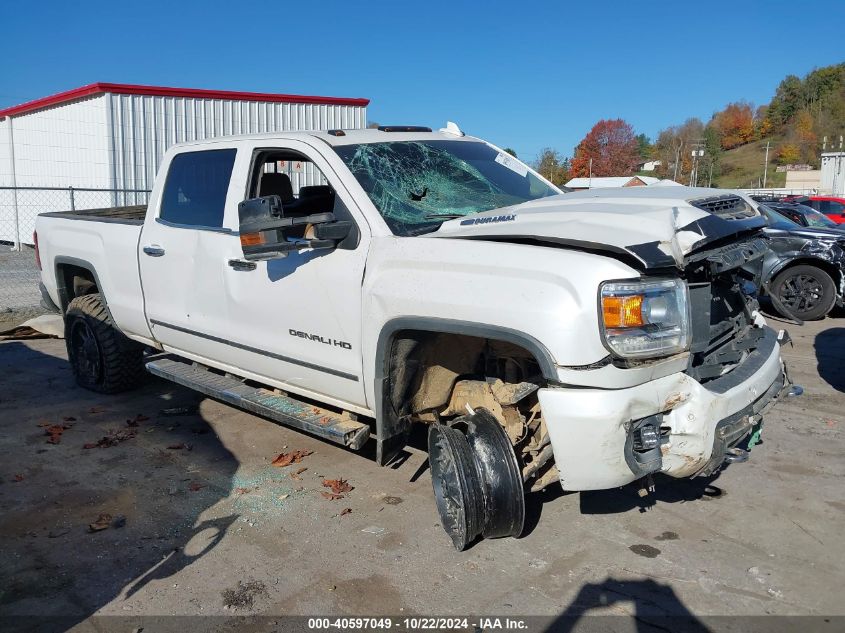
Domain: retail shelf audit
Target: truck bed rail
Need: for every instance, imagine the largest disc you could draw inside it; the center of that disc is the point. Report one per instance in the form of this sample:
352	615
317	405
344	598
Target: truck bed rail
133	214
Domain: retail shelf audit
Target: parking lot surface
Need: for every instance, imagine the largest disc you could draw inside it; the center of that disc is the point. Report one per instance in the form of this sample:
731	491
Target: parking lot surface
201	523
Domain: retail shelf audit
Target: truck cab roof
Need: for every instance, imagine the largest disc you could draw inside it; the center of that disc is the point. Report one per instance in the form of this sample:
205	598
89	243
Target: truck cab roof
338	138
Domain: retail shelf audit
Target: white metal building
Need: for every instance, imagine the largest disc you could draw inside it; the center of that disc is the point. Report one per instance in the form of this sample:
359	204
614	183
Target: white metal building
833	173
112	136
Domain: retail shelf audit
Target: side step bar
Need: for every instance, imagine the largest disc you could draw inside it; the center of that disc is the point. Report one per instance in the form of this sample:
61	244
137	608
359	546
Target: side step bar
284	409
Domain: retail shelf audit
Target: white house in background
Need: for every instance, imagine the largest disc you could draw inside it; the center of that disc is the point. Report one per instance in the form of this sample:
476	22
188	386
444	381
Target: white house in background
602	182
649	165
113	136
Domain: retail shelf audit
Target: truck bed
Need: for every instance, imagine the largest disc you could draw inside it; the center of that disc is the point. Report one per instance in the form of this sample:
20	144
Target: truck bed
133	214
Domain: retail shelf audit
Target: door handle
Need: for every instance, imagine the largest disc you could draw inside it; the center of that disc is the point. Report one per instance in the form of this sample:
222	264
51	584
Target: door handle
241	264
153	250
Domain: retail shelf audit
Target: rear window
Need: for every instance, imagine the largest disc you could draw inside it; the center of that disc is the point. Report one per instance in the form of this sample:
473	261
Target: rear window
196	186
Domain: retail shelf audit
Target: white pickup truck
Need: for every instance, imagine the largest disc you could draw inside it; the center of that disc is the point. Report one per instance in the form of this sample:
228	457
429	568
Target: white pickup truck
354	284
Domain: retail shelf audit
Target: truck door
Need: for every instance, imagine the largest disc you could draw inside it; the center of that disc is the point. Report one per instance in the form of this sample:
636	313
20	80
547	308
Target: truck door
292	322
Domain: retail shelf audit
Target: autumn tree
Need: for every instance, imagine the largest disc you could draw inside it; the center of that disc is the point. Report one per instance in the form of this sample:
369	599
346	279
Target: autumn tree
674	148
612	148
788	154
552	166
735	124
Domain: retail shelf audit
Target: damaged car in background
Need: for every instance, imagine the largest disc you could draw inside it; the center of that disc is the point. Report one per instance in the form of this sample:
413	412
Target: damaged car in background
803	271
406	279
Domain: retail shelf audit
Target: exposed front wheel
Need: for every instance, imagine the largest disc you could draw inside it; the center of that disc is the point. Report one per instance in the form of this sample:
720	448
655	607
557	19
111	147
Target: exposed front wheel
477	480
807	292
102	358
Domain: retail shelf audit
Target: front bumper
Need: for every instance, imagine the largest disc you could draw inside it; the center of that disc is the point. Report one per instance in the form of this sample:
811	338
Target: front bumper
591	429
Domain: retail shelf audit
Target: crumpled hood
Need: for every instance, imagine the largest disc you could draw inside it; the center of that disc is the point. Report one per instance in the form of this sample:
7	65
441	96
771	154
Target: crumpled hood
650	228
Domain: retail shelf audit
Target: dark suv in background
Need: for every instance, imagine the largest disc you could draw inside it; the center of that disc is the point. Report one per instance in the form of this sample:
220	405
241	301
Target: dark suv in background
804	270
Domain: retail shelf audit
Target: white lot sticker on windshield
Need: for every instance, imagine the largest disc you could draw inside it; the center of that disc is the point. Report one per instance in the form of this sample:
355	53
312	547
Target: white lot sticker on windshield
506	160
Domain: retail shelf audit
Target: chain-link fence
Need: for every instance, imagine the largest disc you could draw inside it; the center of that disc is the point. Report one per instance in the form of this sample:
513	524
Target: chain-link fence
19	206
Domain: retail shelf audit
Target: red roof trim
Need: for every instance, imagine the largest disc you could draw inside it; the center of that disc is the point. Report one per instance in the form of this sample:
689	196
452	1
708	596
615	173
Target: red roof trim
162	91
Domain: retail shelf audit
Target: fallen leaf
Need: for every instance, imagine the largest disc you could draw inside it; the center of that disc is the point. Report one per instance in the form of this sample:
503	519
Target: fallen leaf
338	486
283	497
18	477
297	474
55	432
195	486
103	521
331	496
242	491
345	511
112	439
294	457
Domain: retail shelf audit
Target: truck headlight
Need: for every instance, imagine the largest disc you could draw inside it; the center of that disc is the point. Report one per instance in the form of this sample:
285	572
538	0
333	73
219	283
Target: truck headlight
645	318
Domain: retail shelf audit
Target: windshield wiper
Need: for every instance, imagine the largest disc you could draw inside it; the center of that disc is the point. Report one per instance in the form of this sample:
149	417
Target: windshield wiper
443	216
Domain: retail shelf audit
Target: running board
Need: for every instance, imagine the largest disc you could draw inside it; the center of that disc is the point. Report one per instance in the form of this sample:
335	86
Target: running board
315	420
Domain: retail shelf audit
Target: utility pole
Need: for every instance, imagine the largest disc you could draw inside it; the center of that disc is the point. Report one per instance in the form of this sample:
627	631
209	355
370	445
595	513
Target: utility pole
766	165
677	160
591	175
710	177
696	154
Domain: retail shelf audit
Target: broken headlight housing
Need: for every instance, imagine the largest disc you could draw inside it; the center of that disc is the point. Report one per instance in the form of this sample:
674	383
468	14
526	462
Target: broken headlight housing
645	318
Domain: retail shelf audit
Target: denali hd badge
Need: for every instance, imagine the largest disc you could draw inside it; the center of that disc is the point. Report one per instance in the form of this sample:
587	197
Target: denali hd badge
488	219
320	339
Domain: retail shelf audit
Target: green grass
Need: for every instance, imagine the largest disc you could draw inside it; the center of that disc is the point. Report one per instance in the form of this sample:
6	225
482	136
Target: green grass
742	167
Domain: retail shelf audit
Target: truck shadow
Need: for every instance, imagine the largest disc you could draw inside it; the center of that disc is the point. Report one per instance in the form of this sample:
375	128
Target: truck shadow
829	346
164	502
666	490
655	607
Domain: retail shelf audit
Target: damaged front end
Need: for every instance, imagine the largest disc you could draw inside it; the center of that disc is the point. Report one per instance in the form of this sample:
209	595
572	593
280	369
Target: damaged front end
686	423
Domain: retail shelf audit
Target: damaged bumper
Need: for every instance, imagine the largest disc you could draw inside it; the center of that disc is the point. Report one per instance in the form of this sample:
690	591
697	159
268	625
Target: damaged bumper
607	438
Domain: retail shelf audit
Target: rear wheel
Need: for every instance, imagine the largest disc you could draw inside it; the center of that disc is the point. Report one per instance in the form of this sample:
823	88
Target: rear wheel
102	358
807	292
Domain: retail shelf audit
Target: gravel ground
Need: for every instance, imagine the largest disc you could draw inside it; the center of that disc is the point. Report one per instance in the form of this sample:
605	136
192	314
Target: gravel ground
203	525
19	295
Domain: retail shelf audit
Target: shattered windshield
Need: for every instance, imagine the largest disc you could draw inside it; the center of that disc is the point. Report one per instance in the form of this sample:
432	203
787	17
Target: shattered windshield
418	185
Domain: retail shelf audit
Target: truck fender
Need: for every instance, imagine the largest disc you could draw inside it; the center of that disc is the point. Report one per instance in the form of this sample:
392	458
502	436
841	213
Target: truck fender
392	430
65	293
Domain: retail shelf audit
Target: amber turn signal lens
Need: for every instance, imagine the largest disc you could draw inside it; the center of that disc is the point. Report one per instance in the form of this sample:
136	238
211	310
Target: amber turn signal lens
251	239
623	311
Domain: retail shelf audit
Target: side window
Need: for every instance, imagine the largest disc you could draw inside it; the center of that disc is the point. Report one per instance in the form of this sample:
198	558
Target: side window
196	186
836	207
303	189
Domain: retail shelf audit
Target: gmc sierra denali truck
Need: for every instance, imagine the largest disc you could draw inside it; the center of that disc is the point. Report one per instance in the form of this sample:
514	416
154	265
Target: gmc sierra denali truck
353	284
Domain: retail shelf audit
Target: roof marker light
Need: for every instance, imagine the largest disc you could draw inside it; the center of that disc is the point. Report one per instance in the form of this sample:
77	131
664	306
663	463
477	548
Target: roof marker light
452	128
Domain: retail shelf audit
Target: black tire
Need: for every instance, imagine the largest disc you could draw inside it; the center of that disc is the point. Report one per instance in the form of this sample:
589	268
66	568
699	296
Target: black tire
102	358
457	491
807	292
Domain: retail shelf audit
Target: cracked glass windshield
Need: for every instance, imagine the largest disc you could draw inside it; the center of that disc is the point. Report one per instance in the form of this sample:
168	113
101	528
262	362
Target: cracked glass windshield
418	185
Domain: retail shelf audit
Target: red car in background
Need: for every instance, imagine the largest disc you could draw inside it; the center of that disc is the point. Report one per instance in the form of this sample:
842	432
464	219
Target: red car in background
831	206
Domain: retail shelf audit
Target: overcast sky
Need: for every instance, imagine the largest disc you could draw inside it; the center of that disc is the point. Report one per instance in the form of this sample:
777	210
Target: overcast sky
521	74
